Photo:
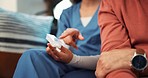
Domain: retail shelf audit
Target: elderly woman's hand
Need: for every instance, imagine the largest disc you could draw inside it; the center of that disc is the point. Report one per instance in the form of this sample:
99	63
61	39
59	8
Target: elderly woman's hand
64	56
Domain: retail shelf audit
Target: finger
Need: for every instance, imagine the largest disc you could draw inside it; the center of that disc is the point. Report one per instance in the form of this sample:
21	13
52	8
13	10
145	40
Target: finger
52	51
50	46
55	57
59	54
48	50
65	50
65	34
99	74
100	70
54	54
70	41
72	32
73	45
80	37
62	56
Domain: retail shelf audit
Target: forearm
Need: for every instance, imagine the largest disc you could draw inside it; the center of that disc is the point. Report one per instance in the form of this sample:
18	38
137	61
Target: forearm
86	62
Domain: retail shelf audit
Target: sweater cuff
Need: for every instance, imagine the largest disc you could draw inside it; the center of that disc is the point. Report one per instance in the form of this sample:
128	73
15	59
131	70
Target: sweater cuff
74	59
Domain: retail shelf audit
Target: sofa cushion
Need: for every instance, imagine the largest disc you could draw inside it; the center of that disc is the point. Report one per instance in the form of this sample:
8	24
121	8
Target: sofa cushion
19	32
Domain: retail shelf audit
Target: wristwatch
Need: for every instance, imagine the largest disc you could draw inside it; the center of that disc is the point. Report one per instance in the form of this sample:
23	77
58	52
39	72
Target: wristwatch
139	61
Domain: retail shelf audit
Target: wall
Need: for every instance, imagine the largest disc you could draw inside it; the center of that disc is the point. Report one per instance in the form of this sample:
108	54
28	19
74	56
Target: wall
9	4
25	6
30	6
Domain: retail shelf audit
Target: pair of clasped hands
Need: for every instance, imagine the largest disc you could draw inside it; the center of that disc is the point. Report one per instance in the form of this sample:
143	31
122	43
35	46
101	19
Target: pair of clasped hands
70	35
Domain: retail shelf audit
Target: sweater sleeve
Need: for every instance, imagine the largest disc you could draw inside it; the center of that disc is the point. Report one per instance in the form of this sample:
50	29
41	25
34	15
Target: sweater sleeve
86	62
113	32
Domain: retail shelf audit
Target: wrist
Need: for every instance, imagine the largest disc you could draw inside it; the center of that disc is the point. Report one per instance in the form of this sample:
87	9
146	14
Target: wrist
127	61
74	59
139	60
71	57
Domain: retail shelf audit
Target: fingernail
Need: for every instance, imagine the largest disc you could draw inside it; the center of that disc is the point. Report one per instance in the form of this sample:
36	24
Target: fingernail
60	37
47	43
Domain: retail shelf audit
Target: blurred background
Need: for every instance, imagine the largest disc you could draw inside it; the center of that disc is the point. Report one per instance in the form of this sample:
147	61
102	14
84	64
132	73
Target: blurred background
38	7
22	29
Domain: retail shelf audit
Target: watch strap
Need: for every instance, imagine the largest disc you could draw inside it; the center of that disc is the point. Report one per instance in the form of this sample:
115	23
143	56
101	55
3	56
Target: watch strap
140	51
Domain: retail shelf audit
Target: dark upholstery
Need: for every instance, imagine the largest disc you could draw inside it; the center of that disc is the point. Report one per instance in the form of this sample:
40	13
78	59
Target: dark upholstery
8	63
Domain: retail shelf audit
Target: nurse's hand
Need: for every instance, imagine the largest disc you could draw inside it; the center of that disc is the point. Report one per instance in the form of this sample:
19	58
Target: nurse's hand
70	35
64	56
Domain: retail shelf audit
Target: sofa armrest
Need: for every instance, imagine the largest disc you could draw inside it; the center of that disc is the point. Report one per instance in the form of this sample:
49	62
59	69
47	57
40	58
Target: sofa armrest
8	62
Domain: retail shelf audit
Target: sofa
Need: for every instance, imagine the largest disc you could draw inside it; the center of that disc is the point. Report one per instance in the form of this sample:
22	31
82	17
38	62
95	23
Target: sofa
18	33
8	63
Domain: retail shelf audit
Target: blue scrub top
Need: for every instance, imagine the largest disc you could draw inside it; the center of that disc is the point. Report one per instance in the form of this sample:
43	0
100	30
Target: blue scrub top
70	18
